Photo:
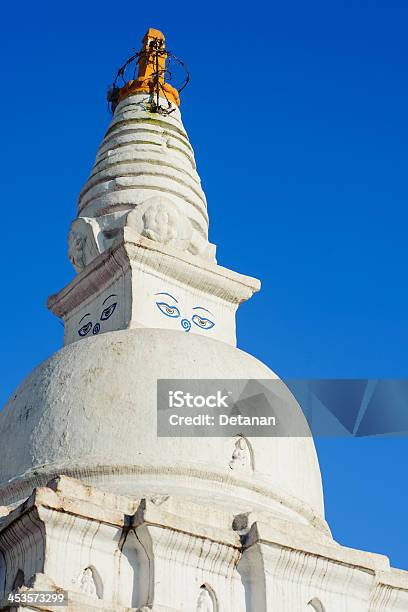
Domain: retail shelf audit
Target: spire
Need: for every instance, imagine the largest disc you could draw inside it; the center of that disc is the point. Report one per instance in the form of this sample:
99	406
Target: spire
140	239
151	67
144	174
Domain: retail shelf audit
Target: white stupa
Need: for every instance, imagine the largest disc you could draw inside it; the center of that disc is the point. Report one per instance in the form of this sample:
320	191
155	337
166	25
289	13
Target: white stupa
93	502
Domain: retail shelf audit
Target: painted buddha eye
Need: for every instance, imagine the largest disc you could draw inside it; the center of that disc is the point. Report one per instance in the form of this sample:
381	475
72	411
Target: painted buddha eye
85	329
202	322
169	311
108	312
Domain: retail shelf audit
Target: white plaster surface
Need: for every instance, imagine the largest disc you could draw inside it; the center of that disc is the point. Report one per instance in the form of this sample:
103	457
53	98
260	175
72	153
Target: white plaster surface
140	283
90	411
144	177
169	555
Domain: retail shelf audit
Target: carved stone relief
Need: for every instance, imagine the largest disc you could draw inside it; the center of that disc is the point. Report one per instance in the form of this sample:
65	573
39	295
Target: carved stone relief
205	601
241	458
87	582
158	219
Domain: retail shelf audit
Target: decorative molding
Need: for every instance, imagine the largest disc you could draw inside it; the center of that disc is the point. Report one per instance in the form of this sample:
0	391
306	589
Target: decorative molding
130	541
20	487
133	250
242	456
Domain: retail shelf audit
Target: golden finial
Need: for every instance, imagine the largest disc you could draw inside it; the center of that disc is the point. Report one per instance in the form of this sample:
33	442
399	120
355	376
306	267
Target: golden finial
151	71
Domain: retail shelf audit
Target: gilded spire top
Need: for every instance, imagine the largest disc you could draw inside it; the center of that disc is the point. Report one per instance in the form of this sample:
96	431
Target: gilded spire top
148	71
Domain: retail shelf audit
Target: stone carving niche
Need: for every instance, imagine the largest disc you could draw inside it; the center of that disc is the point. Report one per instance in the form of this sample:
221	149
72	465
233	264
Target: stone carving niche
242	456
315	606
157	219
206	600
89	583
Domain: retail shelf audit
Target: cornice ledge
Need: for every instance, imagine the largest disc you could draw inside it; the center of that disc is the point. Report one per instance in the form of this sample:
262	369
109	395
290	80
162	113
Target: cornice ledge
133	250
261	533
44	498
148	514
394	578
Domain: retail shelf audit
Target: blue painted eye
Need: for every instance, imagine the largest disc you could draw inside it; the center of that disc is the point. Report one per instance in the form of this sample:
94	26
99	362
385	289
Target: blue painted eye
169	311
85	329
202	322
108	312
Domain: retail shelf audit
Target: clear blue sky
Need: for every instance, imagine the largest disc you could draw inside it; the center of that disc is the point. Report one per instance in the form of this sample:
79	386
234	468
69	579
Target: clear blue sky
298	115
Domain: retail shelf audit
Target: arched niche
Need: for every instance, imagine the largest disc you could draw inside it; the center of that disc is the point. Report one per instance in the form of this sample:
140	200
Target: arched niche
206	600
242	455
315	605
90	582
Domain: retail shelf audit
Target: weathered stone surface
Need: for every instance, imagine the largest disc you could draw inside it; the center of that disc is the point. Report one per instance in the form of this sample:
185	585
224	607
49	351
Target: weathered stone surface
90	412
174	558
144	177
122	288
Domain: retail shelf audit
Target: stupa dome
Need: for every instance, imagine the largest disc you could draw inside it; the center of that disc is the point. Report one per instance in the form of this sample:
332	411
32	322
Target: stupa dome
89	411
